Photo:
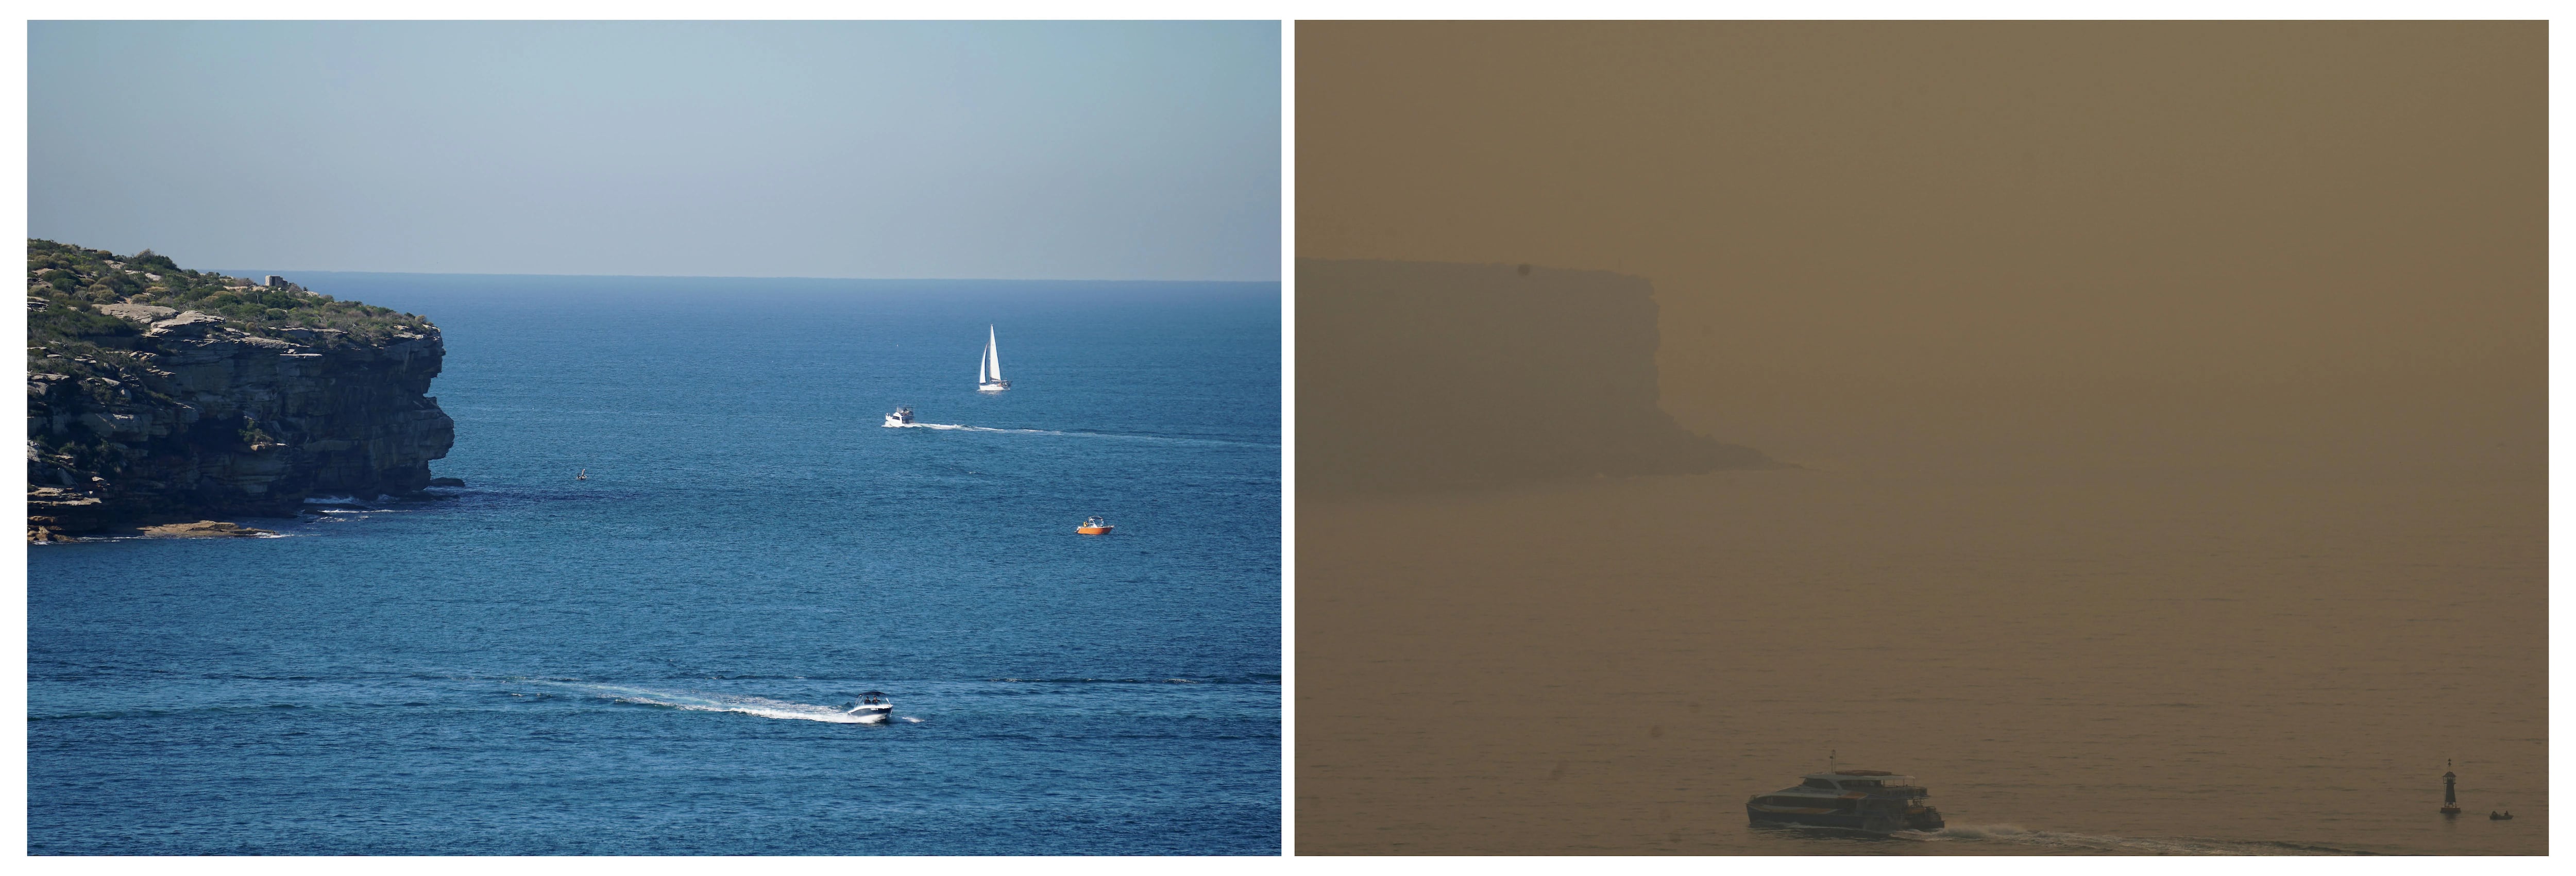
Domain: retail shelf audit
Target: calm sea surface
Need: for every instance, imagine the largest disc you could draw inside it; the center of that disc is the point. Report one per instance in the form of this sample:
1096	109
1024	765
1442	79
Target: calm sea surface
649	661
2075	660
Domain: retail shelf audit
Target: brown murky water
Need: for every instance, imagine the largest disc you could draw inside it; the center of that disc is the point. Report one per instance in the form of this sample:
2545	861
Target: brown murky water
2146	661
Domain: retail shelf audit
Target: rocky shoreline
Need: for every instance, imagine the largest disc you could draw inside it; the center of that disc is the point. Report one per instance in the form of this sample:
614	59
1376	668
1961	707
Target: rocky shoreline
181	415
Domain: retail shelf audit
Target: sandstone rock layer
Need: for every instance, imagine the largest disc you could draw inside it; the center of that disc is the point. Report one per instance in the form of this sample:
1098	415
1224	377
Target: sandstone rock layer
195	417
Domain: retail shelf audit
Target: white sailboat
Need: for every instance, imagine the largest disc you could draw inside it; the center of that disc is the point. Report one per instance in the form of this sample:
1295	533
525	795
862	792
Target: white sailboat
988	371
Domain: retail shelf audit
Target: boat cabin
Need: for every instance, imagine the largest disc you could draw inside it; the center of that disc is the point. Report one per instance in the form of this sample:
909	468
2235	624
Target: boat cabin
1875	781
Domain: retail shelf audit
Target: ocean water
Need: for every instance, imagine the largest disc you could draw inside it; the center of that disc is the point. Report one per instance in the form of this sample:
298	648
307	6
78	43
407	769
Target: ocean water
653	660
2084	660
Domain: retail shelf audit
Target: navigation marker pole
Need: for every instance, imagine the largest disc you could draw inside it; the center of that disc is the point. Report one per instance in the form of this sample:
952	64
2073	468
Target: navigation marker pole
2450	800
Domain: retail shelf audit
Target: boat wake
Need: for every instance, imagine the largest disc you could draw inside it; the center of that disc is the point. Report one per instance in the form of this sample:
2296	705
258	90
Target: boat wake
692	701
954	427
2117	845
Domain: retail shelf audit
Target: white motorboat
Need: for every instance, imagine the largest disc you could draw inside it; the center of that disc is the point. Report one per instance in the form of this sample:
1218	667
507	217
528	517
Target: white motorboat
988	371
873	708
900	418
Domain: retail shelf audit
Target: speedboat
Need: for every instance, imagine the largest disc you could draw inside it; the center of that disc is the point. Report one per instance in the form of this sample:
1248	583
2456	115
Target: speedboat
900	418
1872	800
872	708
1094	526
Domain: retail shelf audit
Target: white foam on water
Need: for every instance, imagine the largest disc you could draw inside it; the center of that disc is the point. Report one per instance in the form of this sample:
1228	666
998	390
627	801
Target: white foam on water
332	500
714	702
954	427
958	428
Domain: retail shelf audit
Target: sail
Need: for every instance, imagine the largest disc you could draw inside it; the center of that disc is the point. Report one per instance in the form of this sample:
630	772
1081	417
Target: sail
992	357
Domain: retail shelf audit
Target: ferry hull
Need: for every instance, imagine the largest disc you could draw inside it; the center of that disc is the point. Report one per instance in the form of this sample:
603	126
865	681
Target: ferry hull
1874	822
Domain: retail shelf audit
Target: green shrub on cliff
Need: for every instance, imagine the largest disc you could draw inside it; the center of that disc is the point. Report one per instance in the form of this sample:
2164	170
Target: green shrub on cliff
63	317
71	282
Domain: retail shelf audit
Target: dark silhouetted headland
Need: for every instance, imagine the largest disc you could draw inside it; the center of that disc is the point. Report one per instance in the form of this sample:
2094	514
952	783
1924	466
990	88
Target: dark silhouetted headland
1421	375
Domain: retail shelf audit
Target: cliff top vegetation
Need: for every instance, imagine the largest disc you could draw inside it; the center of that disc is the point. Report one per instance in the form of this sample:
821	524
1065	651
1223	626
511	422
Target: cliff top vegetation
67	285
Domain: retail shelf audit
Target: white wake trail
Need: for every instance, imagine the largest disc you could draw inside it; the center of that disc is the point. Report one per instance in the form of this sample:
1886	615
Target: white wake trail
958	428
714	702
955	427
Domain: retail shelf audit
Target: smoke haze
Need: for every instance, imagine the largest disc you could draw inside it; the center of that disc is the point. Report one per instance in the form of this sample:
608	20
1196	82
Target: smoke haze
2252	242
2168	401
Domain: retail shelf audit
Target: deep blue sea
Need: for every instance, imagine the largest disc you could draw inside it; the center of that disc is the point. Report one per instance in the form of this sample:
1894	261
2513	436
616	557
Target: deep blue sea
648	661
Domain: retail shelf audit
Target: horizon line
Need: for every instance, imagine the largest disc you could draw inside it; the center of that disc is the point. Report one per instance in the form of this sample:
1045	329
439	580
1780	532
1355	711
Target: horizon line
734	276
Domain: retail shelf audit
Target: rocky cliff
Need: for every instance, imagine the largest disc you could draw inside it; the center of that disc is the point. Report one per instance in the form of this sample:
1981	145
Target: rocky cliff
138	412
1415	375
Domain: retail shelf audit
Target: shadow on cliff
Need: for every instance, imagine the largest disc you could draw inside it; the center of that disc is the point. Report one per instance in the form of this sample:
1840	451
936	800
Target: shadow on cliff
1415	376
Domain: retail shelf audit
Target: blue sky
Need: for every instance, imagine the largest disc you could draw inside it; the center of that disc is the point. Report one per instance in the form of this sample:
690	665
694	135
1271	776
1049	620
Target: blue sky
1007	150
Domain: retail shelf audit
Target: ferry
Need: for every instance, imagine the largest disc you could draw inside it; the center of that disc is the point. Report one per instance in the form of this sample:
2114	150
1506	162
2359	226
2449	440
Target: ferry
1872	800
872	708
900	418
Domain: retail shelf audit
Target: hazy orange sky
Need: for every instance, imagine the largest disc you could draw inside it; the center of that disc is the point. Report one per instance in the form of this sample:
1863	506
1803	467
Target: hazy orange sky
2273	240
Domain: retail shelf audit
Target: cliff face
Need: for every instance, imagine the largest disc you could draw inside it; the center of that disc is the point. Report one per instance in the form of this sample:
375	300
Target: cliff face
183	413
1423	375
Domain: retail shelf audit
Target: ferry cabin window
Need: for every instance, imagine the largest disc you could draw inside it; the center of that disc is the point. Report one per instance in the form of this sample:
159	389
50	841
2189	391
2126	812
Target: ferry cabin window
1818	783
